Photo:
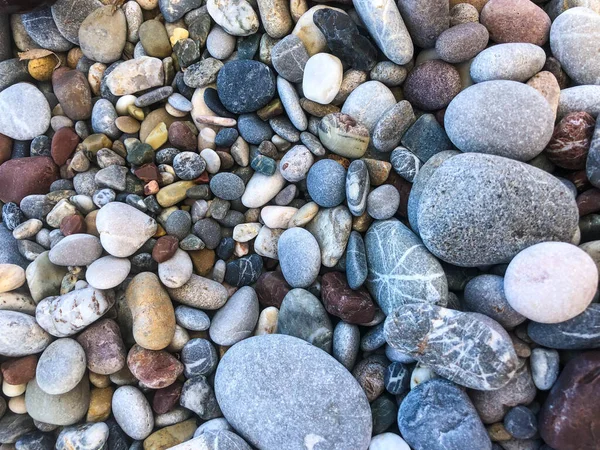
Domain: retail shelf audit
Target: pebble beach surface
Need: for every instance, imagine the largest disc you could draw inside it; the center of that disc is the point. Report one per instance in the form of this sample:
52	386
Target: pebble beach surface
299	224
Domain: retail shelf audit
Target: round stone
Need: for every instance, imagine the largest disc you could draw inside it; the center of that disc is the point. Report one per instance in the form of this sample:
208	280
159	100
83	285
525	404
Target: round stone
235	16
515	61
24	112
103	346
227	186
383	202
199	357
368	102
132	412
322	78
503	118
245	86
188	165
515	21
326	183
521	422
61	367
432	85
462	42
295	164
95	30
551	282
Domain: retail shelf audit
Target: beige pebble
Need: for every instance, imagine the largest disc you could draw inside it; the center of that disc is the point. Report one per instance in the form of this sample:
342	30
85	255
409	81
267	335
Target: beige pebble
180	338
304	215
127	124
267	321
27	229
95	75
11	277
206	138
216	121
265	243
17	405
277	216
13	390
174	112
98	380
245	232
147	4
546	84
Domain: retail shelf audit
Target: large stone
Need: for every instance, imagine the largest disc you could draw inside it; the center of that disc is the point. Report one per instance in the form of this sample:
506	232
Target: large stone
401	270
575	42
61	367
24	112
579	333
245	86
514	21
437	415
468	348
323	404
383	20
63	409
103	33
501	117
40	27
44	278
569	418
135	75
21	335
458	210
70	14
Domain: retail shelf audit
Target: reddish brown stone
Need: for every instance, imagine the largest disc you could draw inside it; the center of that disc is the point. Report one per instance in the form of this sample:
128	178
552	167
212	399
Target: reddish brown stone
103	347
404	187
203	178
432	85
165	399
74	224
515	21
579	179
64	143
227	161
151	188
271	287
19	371
155	368
341	301
182	136
73	92
570	141
25	176
589	202
570	418
165	248
147	173
553	66
6	145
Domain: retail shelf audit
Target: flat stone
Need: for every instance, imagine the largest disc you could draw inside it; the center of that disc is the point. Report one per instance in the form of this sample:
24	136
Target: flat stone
14	426
103	347
392	125
385	25
391	284
24	112
502	244
42	29
135	75
76	250
462	42
61	367
241	380
517	124
200	293
515	21
289	56
68	16
514	61
245	86
434	407
579	98
485	360
352	306
22	336
235	16
63	409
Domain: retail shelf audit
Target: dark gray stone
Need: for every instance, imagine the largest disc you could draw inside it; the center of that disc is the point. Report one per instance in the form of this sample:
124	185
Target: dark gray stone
13	71
173	10
188	165
326	183
302	315
544	367
68	16
227	186
202	73
5	38
426	137
12	216
154	96
35	440
397	378
485	294
226	137
308	403
253	129
13	426
289	56
401	270
434	408
178	224
199	357
579	333
245	86
521	422
357	187
244	271
458	210
384	412
40	27
467	348
9	252
356	261
405	163
209	231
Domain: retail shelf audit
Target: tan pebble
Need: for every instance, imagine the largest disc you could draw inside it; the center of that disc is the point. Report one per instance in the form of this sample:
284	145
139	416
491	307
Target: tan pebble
17	405
241	249
362	223
27	229
297	8
170	436
267	321
79	162
147	4
41	68
174	193
478	4
135	112
203	261
304	215
98	380
95	75
100	404
180	338
175	112
127	124
546	84
463	13
178	35
498	433
11	277
90	223
216	121
13	390
206	138
245	232
351	80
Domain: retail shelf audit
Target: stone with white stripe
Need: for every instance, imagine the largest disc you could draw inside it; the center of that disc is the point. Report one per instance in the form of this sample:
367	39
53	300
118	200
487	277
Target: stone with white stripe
199	357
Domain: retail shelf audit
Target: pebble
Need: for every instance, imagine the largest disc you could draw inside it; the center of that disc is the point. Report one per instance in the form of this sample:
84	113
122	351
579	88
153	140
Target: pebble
135	75
95	29
176	271
522	110
76	250
261	189
200	292
61	367
326	182
132	412
352	306
383	202
331	228
64	409
199	358
198	396
432	408
558	297
289	57
392	125
515	21
173	10
42	29
462	42
245	86
155	369
220	44
515	61
236	16
368	102
343	135
103	347
18	122
296	163
90	436
356	261
322	78
385	441
291	104
253	130
12	277
500	245
233	388
24	336
243	271
432	85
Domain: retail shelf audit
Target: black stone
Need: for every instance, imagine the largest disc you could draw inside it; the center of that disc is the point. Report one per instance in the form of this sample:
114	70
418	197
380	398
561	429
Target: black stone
212	100
188	52
244	271
248	46
579	333
13	426
209	231
40	27
183	88
397	378
152	204
143	262
35	440
12	216
344	40
21	149
226	137
245	86
253	129
166	155
521	422
383	412
225	248
199	357
117	439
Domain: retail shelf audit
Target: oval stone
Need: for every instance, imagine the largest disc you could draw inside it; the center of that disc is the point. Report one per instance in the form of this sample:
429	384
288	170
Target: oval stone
61	367
24	112
458	210
401	270
579	333
324	403
21	335
245	86
515	61
515	21
63	409
500	117
468	348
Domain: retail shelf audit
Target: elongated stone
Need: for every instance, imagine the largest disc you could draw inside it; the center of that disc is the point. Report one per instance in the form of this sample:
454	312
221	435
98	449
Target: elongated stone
468	348
135	75
331	228
357	187
579	333
21	335
201	293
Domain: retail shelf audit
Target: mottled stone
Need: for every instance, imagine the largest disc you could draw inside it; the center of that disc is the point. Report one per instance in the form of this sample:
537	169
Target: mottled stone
89	436
103	346
156	369
434	407
24	112
426	138
477	204
462	42
13	426
578	333
515	21
513	61
198	395
73	92
200	293
135	75
571	140
357	187
432	85
346	344
484	294
22	335
331	228
544	367
383	202
42	29
236	16
503	118
132	412
245	86
343	135
421	278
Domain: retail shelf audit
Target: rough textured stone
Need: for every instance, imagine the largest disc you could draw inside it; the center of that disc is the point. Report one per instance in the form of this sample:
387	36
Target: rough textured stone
40	27
331	228
103	346
64	409
392	125
515	21
245	86
482	355
236	17
352	306
418	276
22	335
503	118
249	369
473	205
571	141
462	42
156	369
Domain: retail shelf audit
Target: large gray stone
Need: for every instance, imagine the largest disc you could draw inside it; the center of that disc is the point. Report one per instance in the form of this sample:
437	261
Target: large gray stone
500	117
317	403
401	270
579	98
468	348
24	112
70	14
368	103
437	415
299	257
579	333
21	335
236	320
61	367
63	409
458	210
575	42
425	20
40	27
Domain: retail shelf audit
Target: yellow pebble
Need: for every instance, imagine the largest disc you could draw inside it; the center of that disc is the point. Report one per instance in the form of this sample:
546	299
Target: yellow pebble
41	68
178	35
160	231
158	136
100	404
135	112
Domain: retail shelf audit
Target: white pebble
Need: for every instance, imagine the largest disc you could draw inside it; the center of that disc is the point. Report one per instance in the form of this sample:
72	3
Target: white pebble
323	75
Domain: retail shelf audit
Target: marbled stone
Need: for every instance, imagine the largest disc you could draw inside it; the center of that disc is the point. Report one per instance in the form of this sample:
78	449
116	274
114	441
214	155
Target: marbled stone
418	276
236	16
357	187
544	367
89	436
199	358
571	141
200	293
236	320
157	369
40	27
242	380
244	271
331	228
343	135
356	261
501	117
198	396
482	355
135	75
477	205
579	333
434	407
